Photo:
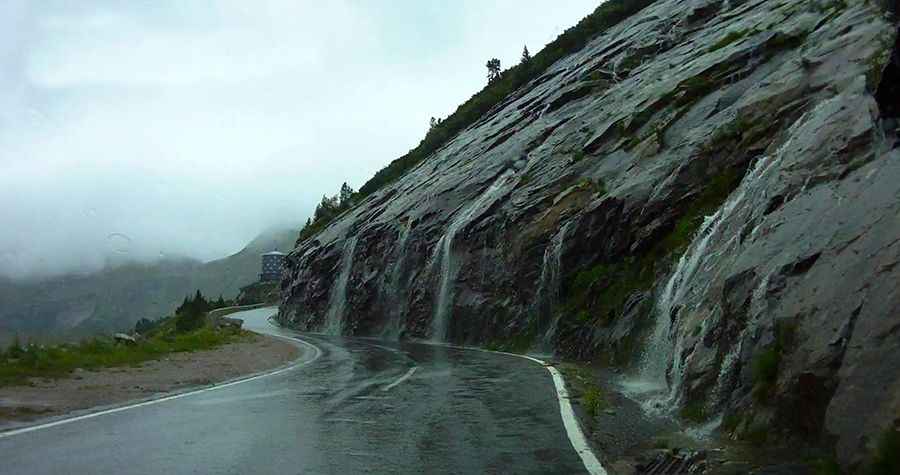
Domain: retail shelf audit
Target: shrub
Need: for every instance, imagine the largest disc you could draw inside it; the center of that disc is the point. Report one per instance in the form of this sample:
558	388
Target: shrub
756	435
593	400
730	422
99	352
189	321
191	315
826	466
886	459
144	326
15	349
694	412
765	366
765	372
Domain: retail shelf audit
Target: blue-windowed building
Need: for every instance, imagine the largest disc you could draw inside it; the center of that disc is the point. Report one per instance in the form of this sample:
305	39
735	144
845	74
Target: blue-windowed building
272	263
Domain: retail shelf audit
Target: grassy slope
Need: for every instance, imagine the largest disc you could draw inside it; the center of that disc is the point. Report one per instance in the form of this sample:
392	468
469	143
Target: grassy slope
19	363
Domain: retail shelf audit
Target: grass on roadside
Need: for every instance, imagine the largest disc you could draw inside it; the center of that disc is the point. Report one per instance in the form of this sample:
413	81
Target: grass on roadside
581	381
593	400
20	362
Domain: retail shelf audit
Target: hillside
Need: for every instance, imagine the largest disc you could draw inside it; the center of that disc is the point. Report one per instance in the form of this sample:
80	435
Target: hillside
703	196
77	305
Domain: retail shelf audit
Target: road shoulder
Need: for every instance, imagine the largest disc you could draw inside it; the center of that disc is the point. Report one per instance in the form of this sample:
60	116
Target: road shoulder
177	372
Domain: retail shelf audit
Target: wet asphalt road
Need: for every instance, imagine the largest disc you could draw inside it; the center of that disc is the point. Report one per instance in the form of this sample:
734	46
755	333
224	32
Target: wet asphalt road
361	406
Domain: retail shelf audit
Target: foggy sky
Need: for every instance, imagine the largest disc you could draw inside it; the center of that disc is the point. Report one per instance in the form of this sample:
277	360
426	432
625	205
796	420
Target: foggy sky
144	129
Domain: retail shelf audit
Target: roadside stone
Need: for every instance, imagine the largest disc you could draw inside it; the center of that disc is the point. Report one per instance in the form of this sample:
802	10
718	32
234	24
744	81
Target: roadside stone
229	322
126	339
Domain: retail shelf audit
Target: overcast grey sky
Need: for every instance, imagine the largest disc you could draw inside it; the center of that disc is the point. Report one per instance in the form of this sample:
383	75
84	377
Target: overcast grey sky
152	128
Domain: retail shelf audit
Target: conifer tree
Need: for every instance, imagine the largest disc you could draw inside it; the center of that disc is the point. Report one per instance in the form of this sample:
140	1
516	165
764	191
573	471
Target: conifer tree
493	66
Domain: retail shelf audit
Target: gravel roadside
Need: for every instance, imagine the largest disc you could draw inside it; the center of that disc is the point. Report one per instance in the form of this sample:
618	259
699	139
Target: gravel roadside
44	398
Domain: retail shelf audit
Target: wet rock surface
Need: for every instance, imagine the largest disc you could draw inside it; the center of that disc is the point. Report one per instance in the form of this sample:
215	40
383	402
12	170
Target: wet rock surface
570	218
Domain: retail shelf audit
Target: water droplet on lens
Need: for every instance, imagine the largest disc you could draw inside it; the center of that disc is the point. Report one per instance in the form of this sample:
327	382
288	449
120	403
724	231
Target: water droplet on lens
119	243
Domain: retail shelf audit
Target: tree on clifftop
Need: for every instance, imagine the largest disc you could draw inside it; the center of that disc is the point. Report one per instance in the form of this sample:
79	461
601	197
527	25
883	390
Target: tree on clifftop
526	56
346	196
493	66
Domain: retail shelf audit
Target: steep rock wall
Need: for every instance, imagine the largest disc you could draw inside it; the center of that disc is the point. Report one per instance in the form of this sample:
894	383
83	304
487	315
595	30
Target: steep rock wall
706	193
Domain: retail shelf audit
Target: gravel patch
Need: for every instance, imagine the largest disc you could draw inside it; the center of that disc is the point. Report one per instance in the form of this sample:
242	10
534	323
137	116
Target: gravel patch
82	390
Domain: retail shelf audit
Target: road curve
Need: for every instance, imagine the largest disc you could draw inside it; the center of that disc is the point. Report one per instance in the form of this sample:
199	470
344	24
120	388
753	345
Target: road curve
348	406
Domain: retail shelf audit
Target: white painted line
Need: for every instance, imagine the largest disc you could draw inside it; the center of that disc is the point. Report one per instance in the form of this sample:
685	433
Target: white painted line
401	379
388	348
570	422
151	402
576	436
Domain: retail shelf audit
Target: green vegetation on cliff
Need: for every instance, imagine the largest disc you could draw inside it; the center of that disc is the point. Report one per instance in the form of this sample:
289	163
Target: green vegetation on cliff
605	16
599	294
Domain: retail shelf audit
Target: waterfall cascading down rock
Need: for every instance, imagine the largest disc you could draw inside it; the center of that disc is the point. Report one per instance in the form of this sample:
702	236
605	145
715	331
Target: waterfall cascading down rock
396	287
443	252
334	321
662	361
547	298
628	148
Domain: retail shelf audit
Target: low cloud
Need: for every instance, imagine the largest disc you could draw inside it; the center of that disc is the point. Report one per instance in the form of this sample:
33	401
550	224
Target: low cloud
149	129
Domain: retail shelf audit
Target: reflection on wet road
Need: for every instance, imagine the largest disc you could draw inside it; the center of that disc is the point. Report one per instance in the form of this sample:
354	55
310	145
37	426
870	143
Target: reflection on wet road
362	406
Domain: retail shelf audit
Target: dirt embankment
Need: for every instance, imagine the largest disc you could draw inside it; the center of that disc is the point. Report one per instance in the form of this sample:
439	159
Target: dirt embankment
176	372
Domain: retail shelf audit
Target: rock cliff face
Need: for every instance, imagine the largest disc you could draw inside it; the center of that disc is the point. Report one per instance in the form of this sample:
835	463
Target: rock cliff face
707	194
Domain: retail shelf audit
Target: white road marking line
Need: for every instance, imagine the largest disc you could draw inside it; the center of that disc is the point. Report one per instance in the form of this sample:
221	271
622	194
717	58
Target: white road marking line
249	397
401	379
388	348
570	422
114	410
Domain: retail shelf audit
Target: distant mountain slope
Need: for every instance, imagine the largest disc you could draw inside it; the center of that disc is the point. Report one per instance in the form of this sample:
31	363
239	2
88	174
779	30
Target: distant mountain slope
77	305
226	276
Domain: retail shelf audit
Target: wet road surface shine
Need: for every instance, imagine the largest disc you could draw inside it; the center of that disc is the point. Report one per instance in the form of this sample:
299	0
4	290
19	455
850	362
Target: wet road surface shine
363	406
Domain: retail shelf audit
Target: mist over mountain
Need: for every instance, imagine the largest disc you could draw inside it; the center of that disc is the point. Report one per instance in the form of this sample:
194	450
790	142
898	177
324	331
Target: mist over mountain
140	130
74	305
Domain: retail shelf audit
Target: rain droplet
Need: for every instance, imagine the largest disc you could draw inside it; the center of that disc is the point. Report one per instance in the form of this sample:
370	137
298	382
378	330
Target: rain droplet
119	243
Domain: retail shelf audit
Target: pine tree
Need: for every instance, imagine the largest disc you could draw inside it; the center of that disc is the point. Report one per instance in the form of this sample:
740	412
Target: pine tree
193	314
493	66
346	196
526	56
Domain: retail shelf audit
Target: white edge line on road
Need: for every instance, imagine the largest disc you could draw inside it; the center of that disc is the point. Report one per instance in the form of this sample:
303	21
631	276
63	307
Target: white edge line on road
24	430
401	379
570	422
